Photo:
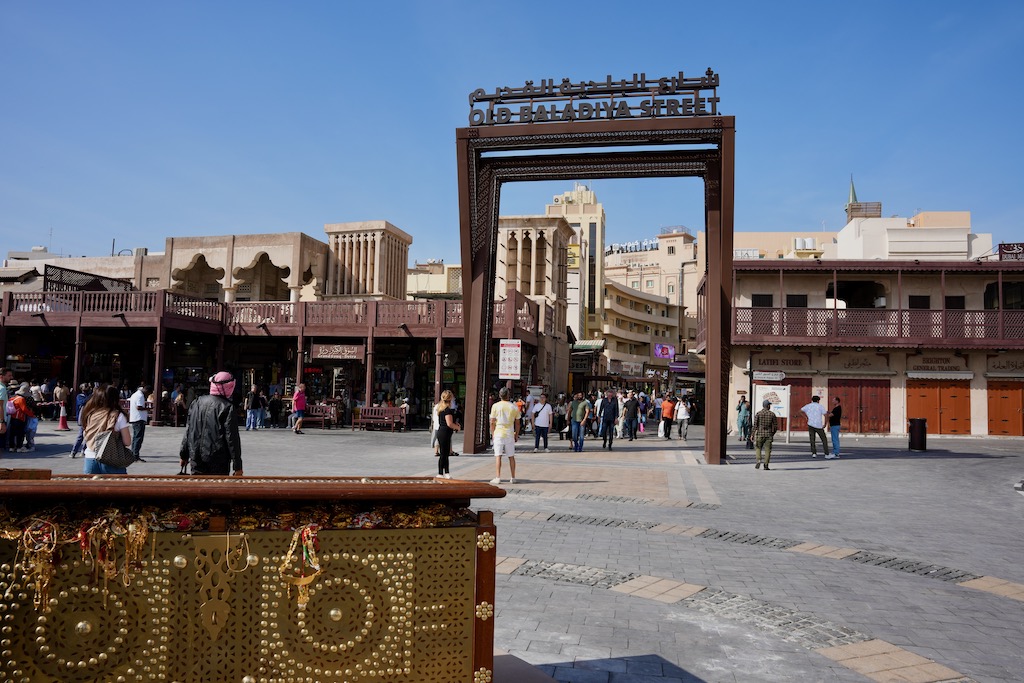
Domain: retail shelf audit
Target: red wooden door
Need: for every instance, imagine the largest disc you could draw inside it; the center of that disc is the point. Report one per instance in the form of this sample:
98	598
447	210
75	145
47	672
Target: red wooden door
865	404
1006	407
923	401
874	406
848	391
799	396
955	407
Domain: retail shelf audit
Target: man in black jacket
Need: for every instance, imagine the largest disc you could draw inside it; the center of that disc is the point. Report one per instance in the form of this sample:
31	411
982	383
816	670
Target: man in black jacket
211	444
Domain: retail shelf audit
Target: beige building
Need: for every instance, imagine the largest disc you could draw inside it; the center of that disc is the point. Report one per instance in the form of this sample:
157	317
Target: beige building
368	260
532	259
435	278
899	317
664	266
640	331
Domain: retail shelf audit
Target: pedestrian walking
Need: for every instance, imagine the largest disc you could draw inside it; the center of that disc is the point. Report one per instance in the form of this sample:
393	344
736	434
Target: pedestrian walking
542	415
211	444
138	416
630	411
743	419
682	416
6	375
764	428
816	413
579	412
102	413
834	421
608	414
84	392
447	426
668	410
252	408
299	406
505	421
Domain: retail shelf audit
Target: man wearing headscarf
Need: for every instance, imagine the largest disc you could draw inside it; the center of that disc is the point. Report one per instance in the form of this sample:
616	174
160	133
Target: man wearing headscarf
211	444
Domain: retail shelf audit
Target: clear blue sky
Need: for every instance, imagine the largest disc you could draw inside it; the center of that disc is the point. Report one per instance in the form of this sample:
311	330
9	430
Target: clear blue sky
134	121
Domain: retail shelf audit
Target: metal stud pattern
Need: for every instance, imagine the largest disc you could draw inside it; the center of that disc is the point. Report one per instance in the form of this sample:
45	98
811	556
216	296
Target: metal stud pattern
388	604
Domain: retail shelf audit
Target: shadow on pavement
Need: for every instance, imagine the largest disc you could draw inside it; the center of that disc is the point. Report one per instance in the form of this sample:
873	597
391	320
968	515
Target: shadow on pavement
639	668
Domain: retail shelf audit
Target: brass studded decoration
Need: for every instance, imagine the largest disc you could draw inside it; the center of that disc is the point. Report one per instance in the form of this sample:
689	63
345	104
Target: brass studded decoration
485	541
386	605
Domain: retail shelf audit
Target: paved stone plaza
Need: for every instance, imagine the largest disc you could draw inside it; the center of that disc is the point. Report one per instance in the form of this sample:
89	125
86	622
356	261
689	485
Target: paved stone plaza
644	565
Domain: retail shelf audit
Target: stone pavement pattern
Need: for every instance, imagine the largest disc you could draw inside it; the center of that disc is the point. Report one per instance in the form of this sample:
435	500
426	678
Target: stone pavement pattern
643	565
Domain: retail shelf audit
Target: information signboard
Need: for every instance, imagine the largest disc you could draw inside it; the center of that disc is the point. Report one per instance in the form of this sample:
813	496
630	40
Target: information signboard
510	359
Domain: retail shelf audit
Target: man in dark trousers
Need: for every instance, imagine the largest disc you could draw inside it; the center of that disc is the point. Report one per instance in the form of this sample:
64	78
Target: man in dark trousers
211	444
630	410
763	432
609	415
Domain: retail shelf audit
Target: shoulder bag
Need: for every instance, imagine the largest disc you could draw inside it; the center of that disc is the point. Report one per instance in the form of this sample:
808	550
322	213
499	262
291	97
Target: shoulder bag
111	451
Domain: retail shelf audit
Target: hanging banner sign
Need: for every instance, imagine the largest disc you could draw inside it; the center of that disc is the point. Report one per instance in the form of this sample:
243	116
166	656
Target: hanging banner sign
1013	251
510	359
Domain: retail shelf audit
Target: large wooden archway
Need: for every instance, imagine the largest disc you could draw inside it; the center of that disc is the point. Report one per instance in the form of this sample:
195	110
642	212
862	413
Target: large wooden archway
697	146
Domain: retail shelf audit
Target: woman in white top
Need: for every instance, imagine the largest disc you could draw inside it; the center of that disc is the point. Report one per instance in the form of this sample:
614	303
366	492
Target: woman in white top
99	415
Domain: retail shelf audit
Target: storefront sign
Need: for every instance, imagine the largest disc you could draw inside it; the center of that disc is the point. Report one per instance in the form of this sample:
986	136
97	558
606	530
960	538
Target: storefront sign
579	363
769	376
632	368
784	363
1014	251
338	352
1004	364
510	359
679	366
932	363
846	362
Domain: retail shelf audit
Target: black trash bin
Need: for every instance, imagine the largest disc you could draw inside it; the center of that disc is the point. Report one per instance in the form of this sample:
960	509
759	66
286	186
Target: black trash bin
918	434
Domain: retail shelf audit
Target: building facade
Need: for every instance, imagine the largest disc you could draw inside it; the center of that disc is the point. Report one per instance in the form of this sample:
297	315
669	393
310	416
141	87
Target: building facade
585	274
900	318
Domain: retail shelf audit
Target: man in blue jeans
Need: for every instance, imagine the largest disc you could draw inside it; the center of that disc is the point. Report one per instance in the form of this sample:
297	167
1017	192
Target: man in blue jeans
580	410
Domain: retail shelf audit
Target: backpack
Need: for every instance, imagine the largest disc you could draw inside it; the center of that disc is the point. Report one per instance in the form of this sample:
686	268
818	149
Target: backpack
10	408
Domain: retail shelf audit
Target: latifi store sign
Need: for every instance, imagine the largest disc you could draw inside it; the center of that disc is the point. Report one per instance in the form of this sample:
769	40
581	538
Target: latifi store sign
627	98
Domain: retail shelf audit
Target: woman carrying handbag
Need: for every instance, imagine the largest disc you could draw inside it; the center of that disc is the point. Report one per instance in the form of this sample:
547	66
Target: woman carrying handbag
102	415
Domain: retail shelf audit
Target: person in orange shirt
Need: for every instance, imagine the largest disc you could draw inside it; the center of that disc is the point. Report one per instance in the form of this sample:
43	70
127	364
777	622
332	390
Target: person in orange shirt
668	411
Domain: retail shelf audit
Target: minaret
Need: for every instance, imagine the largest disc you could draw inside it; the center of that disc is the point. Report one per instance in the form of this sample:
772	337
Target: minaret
856	209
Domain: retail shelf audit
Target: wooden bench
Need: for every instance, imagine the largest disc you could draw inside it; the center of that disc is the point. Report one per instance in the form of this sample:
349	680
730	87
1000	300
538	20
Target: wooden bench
376	417
326	416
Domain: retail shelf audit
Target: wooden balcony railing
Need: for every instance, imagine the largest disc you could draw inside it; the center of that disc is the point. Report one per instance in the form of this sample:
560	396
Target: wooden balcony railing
192	307
886	327
70	307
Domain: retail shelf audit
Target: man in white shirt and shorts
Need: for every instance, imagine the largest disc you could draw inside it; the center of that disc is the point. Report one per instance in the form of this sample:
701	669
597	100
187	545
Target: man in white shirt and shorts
504	434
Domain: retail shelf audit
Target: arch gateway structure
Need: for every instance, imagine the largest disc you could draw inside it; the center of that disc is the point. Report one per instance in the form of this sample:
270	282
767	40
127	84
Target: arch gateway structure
636	127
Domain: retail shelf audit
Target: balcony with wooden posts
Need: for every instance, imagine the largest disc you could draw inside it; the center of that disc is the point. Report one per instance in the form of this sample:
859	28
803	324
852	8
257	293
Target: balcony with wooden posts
516	316
946	322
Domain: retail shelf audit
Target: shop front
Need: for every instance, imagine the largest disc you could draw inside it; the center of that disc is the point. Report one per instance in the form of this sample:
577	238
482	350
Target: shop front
1004	375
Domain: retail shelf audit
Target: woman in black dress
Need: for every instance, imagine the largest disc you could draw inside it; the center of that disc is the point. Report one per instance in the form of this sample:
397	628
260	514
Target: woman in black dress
447	426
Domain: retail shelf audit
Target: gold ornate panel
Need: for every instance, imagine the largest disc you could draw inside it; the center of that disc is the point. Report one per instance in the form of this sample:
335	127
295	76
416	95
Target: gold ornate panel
386	605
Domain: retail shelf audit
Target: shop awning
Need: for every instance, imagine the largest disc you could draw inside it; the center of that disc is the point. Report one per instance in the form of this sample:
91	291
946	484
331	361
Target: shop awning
587	346
924	374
